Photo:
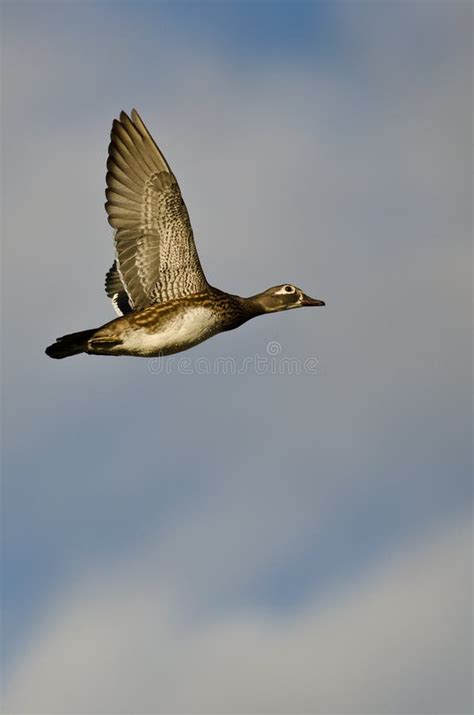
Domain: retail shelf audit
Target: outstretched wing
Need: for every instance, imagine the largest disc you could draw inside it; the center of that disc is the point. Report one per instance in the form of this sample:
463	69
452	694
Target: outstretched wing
156	256
116	292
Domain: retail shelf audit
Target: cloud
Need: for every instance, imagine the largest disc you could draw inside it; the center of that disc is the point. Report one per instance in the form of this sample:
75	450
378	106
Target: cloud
350	178
122	642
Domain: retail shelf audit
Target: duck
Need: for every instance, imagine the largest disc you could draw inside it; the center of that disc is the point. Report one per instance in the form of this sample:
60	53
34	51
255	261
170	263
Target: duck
156	283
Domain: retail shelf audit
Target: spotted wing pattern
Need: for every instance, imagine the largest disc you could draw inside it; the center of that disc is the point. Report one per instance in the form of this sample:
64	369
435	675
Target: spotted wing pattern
155	252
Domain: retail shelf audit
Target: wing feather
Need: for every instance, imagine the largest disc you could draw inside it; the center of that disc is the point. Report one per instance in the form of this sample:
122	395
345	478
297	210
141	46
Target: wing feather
156	255
116	291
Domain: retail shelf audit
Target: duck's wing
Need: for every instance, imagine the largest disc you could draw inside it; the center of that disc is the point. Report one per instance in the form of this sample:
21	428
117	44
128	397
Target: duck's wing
156	256
116	291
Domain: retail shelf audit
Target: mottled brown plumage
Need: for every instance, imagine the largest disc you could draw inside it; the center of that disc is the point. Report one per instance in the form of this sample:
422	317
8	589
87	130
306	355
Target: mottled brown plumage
156	254
156	282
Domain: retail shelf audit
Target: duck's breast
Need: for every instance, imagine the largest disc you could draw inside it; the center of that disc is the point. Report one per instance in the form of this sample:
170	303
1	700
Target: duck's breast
176	332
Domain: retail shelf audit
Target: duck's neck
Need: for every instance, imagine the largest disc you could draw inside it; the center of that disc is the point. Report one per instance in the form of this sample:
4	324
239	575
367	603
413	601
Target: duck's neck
253	305
241	309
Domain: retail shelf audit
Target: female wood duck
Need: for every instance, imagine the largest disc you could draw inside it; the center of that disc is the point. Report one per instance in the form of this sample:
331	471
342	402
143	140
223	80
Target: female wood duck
156	284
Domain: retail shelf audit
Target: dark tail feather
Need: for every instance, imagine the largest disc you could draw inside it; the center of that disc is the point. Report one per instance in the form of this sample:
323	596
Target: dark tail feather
68	345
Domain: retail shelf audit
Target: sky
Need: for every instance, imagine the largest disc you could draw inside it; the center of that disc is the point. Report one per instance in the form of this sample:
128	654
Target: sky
180	537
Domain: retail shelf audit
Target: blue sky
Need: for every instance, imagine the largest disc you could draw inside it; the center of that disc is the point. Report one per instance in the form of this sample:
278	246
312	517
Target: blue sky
250	542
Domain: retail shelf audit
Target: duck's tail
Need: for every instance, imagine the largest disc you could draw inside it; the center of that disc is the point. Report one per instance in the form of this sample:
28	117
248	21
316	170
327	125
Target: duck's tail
68	345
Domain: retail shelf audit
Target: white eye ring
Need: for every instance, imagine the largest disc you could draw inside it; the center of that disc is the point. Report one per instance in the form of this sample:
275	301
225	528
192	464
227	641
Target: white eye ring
287	289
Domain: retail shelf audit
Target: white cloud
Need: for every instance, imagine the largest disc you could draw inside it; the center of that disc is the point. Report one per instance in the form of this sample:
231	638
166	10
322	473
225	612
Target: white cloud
396	641
357	189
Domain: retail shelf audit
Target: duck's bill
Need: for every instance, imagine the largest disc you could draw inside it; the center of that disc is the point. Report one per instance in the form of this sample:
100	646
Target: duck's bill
311	301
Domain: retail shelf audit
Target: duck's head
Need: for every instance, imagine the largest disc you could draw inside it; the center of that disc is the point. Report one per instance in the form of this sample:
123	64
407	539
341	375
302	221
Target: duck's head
283	297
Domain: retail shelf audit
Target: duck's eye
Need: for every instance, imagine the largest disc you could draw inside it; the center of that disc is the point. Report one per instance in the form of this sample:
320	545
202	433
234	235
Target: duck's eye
289	289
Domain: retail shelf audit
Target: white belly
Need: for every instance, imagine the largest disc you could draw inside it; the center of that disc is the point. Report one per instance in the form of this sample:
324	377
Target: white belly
183	331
